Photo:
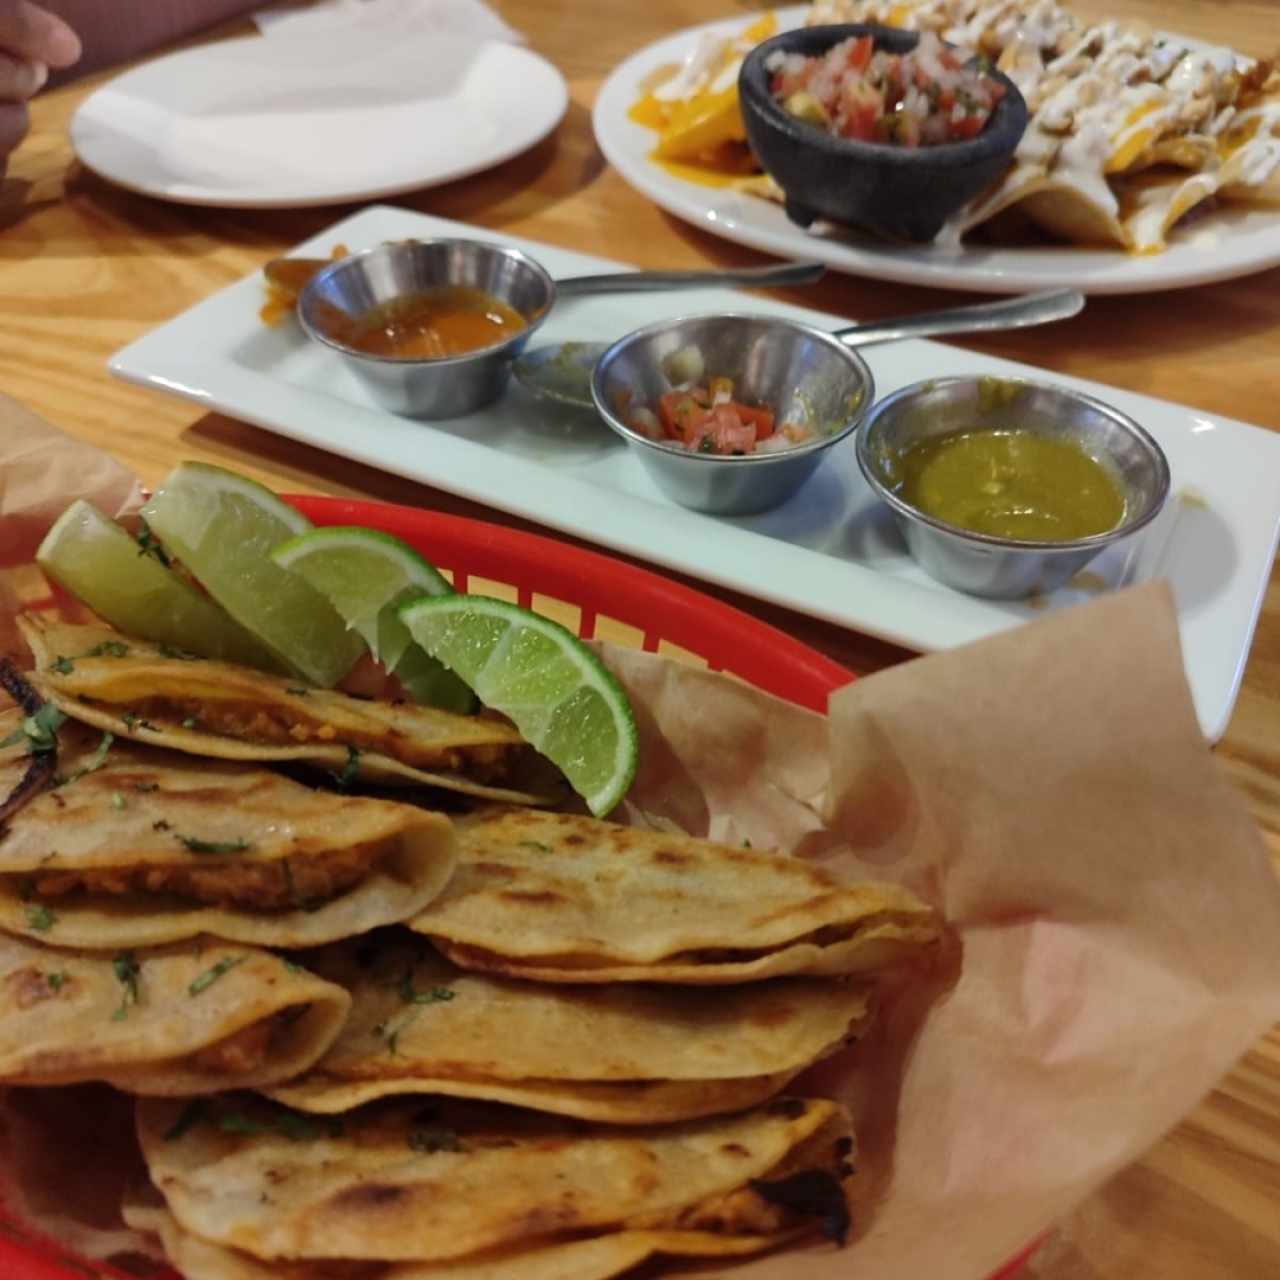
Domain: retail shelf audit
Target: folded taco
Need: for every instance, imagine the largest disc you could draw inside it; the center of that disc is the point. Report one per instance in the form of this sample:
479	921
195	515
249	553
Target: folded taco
136	847
593	1258
562	898
188	1019
617	1054
408	1182
159	695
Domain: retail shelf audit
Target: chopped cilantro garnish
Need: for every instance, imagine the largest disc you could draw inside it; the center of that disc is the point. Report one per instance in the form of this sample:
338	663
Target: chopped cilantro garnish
127	970
536	845
194	845
117	800
95	761
194	1113
289	1124
41	919
149	544
129	720
210	976
168	651
63	666
189	723
411	995
428	1141
391	1031
109	649
40	730
351	770
56	981
291	966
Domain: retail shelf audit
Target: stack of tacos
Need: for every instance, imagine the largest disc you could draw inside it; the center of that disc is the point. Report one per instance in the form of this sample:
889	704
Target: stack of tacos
371	1039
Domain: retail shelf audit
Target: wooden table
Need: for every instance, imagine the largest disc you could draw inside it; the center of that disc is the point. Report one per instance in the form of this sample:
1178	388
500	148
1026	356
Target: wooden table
86	268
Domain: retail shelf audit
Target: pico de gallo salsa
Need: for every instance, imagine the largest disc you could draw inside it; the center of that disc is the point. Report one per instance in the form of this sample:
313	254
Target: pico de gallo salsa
916	99
705	417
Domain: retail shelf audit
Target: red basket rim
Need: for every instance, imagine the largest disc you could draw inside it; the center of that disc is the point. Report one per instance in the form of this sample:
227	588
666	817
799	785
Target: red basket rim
727	637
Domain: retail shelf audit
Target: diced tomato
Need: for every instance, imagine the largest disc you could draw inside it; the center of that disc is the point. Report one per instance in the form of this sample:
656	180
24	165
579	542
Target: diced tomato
679	411
729	433
967	126
860	107
861	53
761	419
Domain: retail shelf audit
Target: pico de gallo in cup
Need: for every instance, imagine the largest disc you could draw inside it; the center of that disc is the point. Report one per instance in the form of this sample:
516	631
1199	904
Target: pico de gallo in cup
704	415
921	98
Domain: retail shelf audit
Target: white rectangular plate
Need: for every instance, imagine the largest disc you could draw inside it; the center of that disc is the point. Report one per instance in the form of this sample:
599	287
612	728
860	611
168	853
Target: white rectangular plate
832	551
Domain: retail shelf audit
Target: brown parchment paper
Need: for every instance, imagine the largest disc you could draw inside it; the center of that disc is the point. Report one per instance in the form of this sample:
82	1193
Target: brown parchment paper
1116	920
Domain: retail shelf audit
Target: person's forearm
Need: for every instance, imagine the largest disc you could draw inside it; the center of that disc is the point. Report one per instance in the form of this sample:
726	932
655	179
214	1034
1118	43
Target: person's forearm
113	30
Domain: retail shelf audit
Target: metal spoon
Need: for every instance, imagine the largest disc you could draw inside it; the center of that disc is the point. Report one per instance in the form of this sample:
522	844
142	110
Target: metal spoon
292	275
561	371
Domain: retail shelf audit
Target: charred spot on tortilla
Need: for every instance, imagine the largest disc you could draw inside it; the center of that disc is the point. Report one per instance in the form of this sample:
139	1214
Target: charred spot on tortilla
670	858
370	1195
812	1193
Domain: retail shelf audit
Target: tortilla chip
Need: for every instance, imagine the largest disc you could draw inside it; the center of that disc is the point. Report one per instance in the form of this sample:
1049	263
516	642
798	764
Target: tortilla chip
595	1258
140	848
618	1054
183	1020
404	1183
1153	202
156	695
562	898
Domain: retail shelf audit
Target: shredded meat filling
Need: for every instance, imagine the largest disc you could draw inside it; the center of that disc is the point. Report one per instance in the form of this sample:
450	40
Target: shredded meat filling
30	987
247	1049
285	884
284	727
743	1212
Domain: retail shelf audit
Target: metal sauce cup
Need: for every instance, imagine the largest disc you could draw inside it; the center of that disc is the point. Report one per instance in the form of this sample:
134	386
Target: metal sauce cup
450	386
1008	568
802	374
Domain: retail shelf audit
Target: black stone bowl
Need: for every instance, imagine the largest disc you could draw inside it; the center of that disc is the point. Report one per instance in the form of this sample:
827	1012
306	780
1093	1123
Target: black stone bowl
905	193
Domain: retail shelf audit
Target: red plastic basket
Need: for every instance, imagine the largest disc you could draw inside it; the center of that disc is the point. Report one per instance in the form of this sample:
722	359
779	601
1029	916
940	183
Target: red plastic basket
593	594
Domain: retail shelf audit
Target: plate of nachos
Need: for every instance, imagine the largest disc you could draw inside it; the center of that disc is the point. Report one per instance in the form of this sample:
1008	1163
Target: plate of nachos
1151	161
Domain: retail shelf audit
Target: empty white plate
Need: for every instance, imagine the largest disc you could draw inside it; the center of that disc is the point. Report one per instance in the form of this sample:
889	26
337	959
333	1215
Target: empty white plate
287	122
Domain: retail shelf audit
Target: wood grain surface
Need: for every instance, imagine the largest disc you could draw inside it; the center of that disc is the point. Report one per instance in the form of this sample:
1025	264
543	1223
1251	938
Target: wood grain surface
86	267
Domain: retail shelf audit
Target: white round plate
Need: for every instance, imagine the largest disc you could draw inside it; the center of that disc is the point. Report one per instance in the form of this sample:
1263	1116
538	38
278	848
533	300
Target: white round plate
1229	242
286	122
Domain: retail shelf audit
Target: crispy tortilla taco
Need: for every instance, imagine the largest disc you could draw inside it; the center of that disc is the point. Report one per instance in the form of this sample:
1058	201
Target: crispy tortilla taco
595	1258
561	898
168	698
188	1019
404	1182
618	1054
137	847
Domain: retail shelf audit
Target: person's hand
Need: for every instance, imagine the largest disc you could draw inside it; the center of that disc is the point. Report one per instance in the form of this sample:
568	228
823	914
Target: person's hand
31	42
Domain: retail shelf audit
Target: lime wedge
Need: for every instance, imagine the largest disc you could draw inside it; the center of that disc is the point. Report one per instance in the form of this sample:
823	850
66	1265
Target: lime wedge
132	588
366	575
558	693
222	527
